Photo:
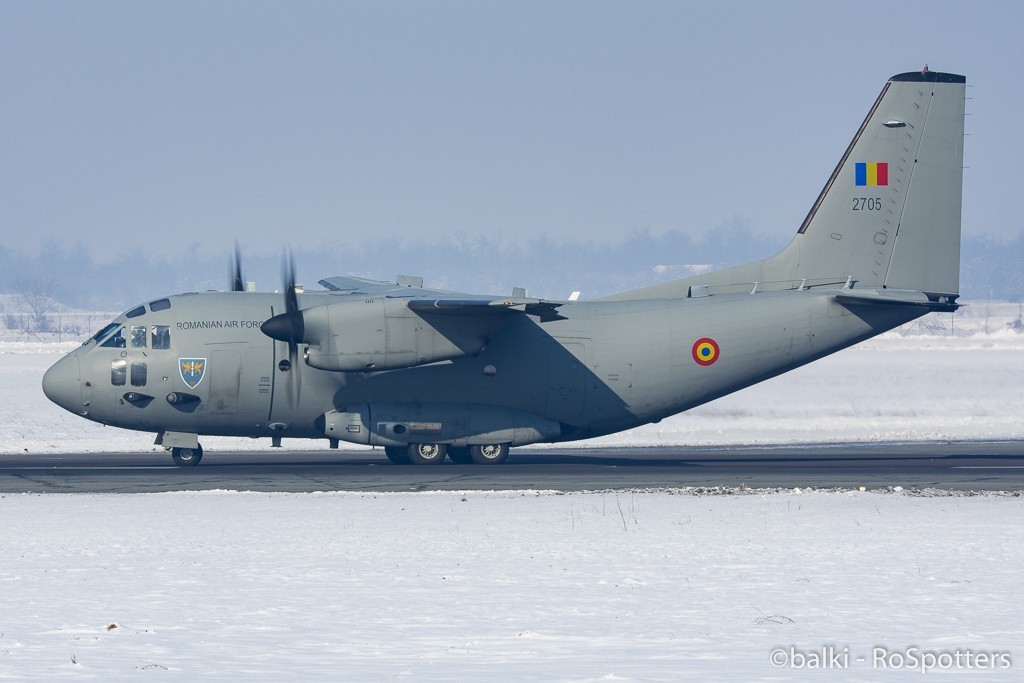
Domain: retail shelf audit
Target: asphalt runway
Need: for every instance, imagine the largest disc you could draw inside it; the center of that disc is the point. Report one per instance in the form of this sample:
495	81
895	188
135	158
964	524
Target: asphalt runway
979	466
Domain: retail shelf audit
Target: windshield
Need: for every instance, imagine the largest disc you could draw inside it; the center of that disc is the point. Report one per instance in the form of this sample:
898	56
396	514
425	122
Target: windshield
107	329
116	340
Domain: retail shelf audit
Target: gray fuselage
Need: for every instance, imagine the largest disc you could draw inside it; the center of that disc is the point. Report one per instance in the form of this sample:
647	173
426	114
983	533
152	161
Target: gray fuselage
602	368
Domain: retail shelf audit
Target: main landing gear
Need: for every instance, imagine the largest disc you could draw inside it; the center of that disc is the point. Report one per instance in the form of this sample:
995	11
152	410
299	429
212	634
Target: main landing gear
414	454
489	454
187	457
434	454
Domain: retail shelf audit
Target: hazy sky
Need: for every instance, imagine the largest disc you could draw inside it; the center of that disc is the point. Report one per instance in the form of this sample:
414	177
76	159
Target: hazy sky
160	125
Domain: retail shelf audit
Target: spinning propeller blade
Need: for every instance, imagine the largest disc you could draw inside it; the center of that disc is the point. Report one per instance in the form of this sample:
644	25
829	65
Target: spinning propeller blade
288	326
237	281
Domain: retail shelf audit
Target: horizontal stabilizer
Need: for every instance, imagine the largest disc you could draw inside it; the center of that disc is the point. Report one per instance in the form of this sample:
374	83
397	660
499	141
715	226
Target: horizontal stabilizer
898	297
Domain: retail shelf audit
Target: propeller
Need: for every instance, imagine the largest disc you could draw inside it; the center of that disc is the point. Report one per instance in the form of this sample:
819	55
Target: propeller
237	281
288	326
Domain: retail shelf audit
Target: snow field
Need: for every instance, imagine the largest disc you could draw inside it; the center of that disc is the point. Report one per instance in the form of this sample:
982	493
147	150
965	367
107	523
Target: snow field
499	586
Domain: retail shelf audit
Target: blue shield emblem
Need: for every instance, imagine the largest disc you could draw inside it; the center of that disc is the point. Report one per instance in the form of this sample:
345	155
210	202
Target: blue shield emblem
192	371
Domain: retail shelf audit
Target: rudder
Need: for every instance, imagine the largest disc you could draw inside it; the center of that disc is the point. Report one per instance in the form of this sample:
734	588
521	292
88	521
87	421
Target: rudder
926	256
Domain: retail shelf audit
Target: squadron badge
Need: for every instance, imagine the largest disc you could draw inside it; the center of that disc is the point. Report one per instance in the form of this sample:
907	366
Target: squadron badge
192	371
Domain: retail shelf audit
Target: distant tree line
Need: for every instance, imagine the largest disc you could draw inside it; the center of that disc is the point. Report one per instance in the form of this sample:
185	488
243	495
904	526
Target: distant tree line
61	275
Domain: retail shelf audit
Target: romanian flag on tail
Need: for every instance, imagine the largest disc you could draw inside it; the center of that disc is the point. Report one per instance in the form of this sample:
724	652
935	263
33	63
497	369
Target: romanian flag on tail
872	173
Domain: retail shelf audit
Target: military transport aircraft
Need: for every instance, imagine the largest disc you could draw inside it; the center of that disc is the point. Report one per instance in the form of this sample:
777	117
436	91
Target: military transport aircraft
428	374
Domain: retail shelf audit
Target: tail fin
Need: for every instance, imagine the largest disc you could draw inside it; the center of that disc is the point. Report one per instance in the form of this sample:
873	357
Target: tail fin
889	216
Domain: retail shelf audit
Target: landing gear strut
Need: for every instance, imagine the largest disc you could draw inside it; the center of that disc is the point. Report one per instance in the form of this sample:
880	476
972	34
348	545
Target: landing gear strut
187	457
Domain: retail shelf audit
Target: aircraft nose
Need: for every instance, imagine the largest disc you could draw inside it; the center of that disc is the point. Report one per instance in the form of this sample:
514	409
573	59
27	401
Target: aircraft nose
62	384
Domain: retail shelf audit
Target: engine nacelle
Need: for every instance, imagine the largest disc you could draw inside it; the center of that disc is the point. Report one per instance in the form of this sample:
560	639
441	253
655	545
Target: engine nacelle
457	424
383	334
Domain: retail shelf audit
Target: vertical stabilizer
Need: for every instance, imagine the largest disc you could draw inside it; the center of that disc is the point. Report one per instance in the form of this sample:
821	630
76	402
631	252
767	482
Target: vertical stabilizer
889	215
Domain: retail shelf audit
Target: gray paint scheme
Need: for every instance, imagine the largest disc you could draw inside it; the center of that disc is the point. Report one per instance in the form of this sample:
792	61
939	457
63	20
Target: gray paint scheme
396	364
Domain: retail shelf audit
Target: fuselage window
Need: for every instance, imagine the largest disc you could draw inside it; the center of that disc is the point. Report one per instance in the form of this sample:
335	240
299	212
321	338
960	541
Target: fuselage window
161	336
118	372
138	336
116	340
138	374
135	312
159	305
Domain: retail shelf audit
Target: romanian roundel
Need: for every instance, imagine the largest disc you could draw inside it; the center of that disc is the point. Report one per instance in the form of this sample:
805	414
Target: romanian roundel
705	351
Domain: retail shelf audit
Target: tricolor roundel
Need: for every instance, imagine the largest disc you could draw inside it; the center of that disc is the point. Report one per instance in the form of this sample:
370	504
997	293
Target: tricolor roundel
705	351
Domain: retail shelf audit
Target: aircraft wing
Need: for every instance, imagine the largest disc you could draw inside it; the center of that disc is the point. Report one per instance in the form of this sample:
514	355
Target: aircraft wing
545	310
436	301
360	285
404	287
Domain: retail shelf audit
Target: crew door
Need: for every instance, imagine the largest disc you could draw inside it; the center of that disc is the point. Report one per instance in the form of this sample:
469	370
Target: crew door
225	378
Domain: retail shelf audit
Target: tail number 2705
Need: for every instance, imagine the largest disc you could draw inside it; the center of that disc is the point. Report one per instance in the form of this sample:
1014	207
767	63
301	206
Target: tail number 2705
867	204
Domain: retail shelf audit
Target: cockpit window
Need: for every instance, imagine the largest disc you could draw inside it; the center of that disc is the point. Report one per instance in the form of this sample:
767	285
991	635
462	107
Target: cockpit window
107	329
136	312
159	305
138	336
161	337
116	340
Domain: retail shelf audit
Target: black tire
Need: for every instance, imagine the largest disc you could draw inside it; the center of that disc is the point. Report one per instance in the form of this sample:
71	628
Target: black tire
187	457
397	455
489	454
460	456
427	453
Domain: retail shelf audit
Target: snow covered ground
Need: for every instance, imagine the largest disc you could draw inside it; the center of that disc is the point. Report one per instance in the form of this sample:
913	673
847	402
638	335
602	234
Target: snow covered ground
652	585
508	586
